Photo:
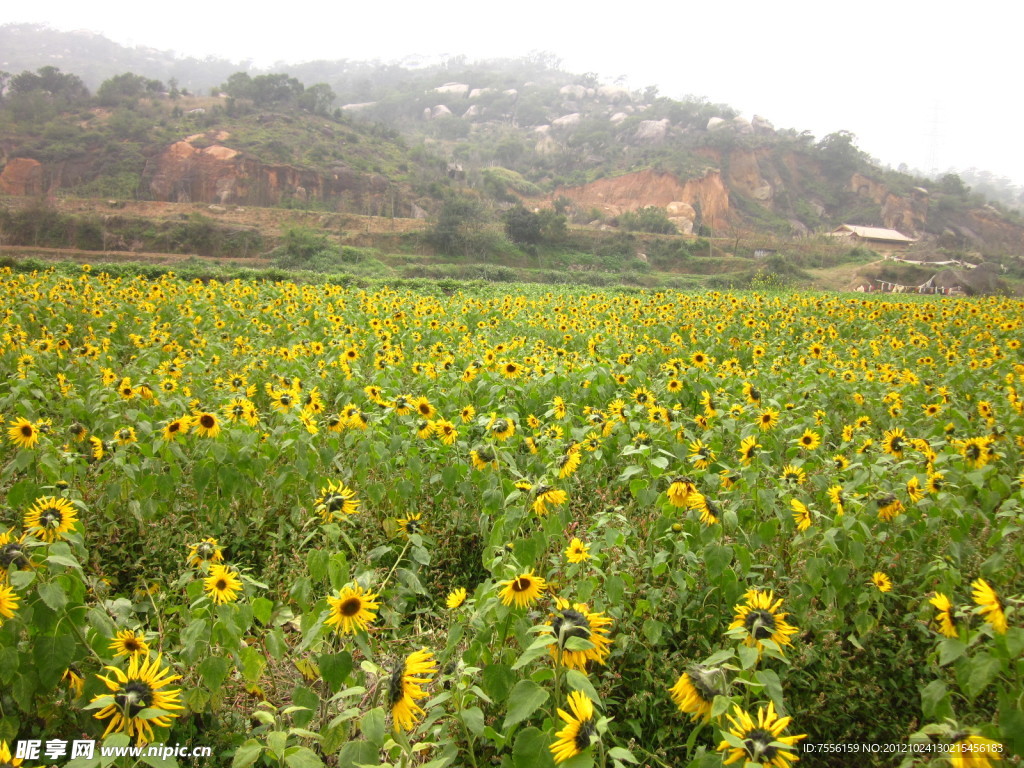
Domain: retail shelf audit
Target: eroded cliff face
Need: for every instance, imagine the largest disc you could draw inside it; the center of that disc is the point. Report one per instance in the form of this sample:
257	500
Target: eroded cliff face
202	168
680	199
22	176
907	214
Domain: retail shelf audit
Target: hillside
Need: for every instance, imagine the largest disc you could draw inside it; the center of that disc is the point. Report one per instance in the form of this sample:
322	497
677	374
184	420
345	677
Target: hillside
413	141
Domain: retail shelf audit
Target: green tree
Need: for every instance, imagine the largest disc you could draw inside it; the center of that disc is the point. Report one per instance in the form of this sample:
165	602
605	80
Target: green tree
126	89
649	219
522	226
461	228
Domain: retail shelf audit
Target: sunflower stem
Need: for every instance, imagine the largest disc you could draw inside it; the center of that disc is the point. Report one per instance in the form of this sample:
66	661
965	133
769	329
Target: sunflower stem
391	573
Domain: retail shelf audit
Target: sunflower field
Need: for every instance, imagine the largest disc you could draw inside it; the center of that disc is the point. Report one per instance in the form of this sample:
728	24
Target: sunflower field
317	525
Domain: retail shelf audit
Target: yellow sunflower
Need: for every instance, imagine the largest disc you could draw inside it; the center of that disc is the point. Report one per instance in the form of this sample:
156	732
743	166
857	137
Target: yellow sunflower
679	491
136	702
405	688
882	581
809	440
336	500
223	584
969	750
23	433
545	496
5	756
695	691
483	457
989	605
128	643
577	551
579	730
578	622
206	424
8	603
50	518
945	618
759	742
205	551
801	515
13	554
523	590
758	619
456	598
353	608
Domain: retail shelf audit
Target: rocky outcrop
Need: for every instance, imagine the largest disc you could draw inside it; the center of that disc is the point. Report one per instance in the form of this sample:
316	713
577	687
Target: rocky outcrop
185	172
22	176
744	176
681	200
906	214
652	131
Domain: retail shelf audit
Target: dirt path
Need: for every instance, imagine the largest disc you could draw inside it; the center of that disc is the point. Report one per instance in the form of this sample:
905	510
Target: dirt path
271	221
117	257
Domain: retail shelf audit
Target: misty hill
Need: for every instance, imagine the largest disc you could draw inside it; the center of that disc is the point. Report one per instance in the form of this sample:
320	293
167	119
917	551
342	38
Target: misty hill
407	140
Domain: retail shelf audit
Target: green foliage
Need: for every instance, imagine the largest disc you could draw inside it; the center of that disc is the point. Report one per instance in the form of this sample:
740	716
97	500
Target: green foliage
464	228
126	89
649	219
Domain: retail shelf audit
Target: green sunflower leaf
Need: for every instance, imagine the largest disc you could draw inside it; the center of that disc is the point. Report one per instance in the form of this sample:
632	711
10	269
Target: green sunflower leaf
525	699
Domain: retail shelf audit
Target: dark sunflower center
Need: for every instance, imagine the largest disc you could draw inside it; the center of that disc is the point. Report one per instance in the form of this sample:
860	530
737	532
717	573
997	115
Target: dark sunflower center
135	696
896	444
51	518
206	421
522	584
570	623
582	738
26	430
973	452
238	410
221	585
396	686
132	645
425	409
500	426
174	427
758	743
766	418
351	607
286	400
760	624
12	554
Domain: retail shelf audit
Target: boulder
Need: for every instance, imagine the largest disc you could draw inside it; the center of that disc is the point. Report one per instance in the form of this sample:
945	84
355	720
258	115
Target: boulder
576	91
742	125
617	118
761	125
440	111
567	121
473	111
456	89
652	130
358	107
716	123
476	93
613	93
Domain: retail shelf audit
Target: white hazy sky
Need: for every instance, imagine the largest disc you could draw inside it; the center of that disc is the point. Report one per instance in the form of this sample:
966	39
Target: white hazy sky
934	85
